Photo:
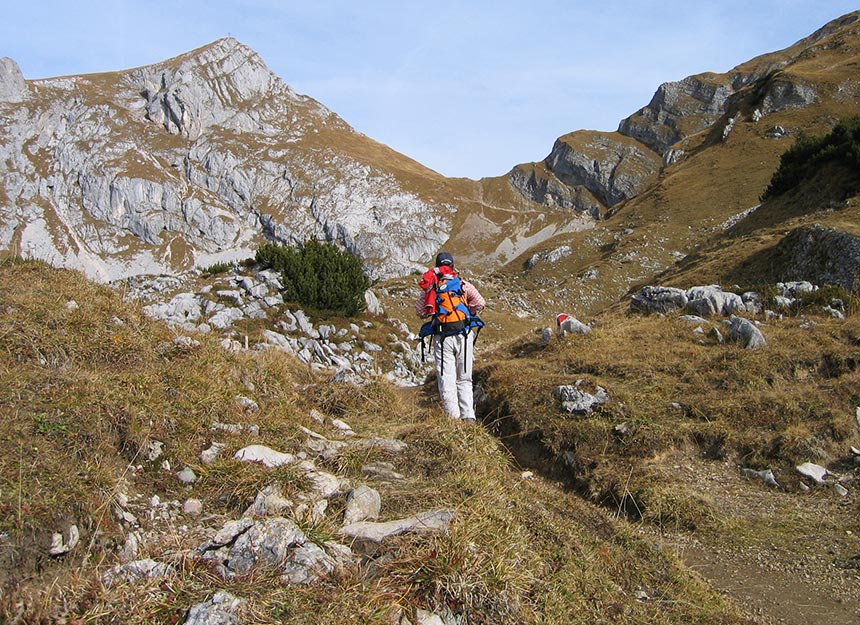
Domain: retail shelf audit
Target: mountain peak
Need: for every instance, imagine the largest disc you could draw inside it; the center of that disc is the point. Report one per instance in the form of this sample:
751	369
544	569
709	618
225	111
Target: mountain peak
12	85
224	50
208	86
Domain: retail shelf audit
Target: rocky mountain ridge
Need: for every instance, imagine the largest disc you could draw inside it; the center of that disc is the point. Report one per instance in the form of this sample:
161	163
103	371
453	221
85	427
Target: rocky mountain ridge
197	160
593	171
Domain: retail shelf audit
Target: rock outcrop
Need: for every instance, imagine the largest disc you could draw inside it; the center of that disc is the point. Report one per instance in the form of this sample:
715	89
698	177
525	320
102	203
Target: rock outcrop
588	172
820	255
13	87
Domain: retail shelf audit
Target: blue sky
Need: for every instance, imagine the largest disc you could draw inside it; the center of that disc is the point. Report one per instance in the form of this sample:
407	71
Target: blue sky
467	88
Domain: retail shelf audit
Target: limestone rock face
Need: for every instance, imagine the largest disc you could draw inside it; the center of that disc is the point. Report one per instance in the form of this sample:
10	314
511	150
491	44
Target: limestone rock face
13	87
541	185
194	161
612	168
679	109
783	93
588	171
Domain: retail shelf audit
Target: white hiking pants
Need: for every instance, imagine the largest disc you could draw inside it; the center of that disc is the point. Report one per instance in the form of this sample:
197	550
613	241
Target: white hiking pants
454	377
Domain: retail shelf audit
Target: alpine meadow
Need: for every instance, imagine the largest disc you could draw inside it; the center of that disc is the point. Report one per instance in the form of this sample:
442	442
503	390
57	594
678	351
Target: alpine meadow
215	408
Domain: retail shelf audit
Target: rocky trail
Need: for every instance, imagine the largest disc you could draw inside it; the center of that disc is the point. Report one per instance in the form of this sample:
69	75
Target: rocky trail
786	558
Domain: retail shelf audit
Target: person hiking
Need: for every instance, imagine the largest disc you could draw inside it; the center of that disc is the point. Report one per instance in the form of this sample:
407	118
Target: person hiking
453	306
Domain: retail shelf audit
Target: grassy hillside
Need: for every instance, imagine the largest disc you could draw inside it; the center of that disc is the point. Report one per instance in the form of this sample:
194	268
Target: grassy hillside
689	426
87	388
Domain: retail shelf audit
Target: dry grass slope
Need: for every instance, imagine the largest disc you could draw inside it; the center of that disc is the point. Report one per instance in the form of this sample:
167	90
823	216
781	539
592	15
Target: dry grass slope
85	389
776	407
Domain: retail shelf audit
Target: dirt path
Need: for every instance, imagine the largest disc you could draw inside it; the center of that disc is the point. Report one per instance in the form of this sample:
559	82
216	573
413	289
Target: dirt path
787	558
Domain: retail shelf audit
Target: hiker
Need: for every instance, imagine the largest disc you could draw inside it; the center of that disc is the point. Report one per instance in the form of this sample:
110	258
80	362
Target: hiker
453	306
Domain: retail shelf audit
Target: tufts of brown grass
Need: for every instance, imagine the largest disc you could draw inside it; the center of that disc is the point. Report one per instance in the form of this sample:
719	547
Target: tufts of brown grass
84	395
788	403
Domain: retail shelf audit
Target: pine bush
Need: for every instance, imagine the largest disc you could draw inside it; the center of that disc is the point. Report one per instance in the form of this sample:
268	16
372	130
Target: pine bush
809	153
318	275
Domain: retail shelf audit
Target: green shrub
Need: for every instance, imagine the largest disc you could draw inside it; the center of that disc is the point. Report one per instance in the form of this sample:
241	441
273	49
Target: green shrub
809	153
318	275
216	269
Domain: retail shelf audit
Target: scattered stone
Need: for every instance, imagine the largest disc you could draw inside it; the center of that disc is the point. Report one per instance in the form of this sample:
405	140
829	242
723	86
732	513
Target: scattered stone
268	502
423	522
382	470
72	305
549	256
220	609
266	455
307	564
210	455
343	427
834	313
813	471
766	476
223	319
133	572
389	445
711	300
325	448
130	548
840	490
363	503
622	429
267	542
322	483
233	428
186	343
182	309
658	299
424	617
231	345
374	307
154	450
227	534
346	376
545	335
573	399
187	476
247	404
192	507
715	335
60	546
745	332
